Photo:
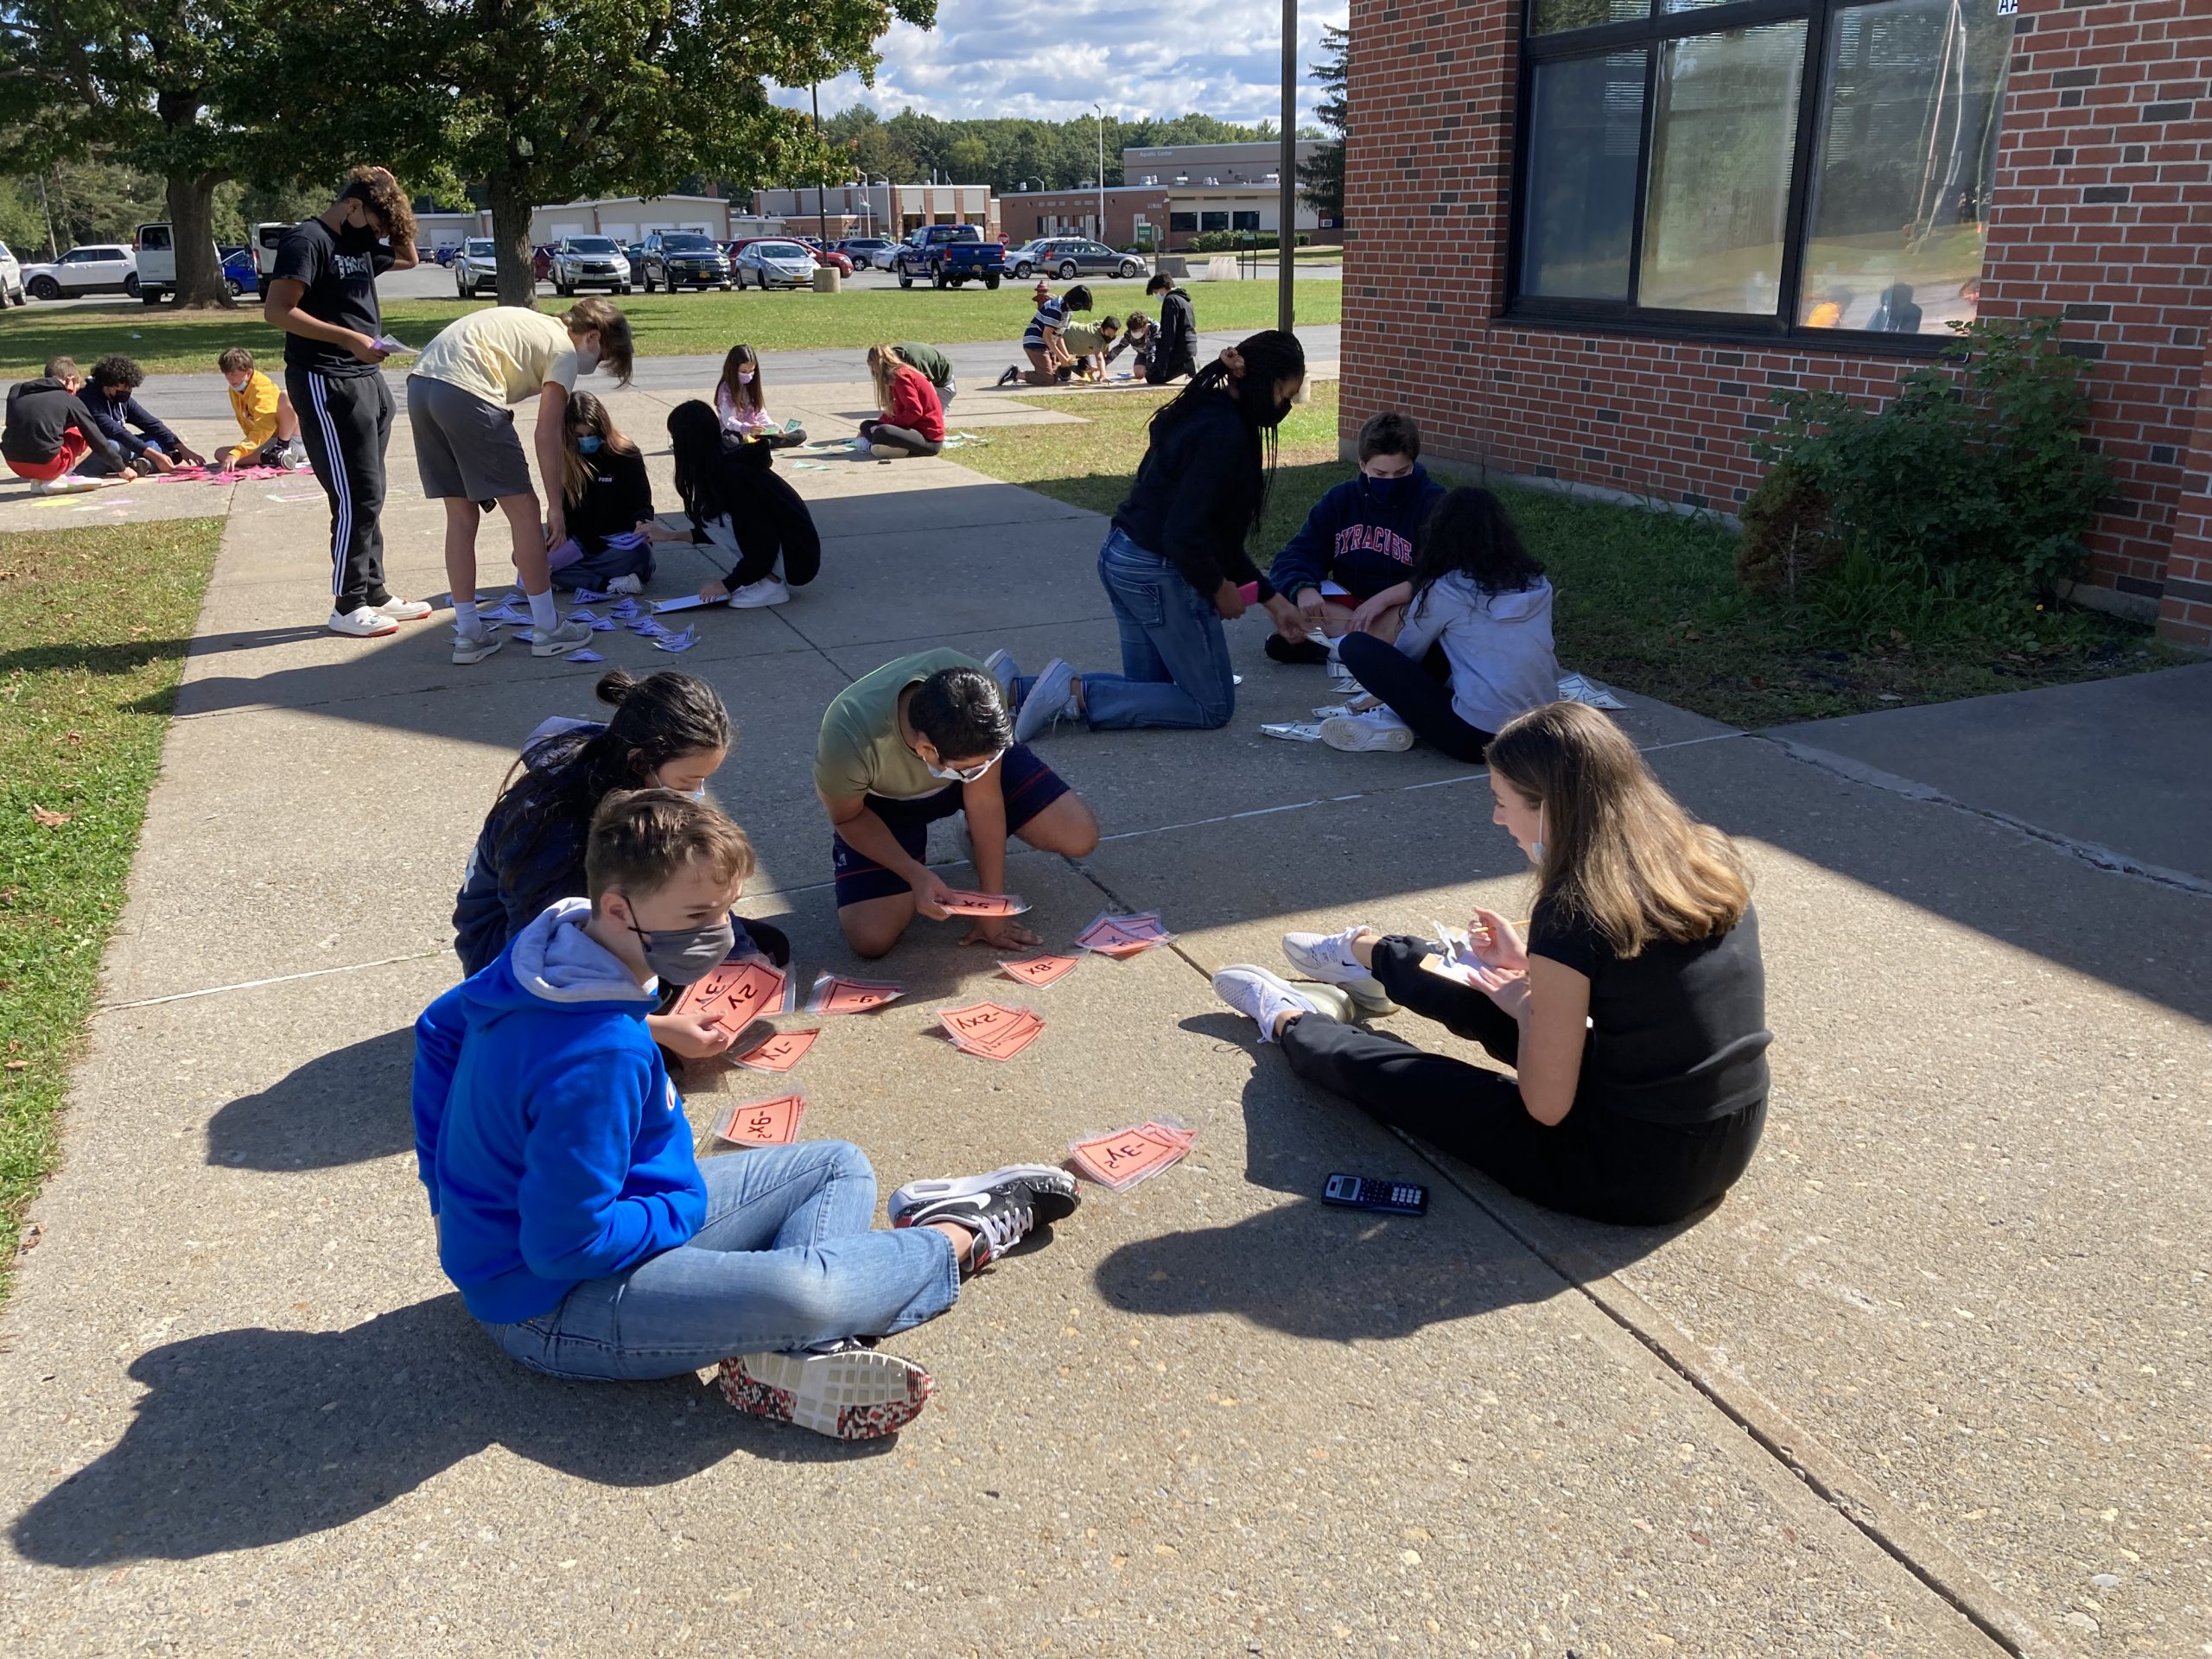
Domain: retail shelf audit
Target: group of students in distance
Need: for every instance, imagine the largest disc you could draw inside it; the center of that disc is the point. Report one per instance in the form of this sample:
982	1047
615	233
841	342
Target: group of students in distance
67	431
589	1242
1061	350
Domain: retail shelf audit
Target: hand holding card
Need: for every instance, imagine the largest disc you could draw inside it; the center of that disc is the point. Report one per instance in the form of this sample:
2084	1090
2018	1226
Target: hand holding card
959	903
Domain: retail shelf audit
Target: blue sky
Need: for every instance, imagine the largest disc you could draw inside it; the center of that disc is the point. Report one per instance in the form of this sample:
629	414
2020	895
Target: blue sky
1137	57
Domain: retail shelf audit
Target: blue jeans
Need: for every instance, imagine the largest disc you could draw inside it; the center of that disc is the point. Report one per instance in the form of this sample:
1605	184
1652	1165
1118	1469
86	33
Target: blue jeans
787	1257
1174	656
97	465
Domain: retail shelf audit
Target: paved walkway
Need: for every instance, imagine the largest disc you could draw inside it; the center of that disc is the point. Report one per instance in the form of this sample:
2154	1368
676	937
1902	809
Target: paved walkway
1931	1382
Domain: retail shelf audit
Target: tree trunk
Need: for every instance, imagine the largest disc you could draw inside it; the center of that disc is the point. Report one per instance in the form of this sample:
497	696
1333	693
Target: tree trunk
192	234
508	195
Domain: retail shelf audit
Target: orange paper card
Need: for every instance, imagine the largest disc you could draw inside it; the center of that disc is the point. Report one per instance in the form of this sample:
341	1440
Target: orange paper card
765	1123
1122	935
835	993
997	1030
984	904
783	1051
1039	970
1122	1158
736	993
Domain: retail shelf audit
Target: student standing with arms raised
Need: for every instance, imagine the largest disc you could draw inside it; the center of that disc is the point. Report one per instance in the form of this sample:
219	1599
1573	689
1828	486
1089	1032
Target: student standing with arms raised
322	294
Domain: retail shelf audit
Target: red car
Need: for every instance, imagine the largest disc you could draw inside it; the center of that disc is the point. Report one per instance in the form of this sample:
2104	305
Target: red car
541	265
823	256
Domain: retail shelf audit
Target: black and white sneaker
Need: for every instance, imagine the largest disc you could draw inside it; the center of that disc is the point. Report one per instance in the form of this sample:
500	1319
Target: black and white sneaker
1001	1208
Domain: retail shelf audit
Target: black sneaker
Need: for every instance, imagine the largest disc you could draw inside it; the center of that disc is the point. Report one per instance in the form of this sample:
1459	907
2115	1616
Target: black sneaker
1303	651
1013	374
1001	1208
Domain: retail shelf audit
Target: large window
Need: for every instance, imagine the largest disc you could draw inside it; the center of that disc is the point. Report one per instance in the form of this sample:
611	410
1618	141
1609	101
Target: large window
1757	166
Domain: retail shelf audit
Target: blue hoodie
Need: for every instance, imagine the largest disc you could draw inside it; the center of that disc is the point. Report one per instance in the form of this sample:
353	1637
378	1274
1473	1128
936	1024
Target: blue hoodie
553	1144
1362	535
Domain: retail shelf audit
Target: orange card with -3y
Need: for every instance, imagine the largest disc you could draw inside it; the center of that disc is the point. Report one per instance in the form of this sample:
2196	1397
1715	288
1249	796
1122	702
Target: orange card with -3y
781	1053
765	1123
997	1030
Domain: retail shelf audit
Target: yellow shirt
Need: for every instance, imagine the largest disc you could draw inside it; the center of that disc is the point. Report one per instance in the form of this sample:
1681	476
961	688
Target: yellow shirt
503	355
254	408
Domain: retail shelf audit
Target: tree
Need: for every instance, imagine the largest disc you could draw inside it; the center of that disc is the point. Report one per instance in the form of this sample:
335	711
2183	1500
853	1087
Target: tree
1321	175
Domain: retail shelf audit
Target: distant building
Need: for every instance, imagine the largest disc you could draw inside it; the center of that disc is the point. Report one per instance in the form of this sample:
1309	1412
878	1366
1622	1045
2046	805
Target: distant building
1171	193
889	210
626	218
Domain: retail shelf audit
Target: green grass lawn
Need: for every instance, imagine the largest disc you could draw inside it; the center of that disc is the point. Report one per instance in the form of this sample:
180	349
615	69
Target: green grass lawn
666	325
94	626
1647	601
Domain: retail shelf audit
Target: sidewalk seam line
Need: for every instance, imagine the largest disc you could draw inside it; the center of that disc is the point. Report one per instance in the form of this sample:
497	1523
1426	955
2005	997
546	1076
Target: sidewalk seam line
257	984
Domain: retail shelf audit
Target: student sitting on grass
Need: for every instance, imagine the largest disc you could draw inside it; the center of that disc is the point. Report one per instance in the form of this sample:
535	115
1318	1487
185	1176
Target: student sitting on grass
911	421
1634	1015
738	505
608	503
668	731
130	427
1358	542
269	427
572	1214
741	401
1478	596
918	739
49	431
1040	341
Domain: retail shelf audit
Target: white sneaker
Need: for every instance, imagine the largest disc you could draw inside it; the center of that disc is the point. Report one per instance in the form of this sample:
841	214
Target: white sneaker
1378	728
474	647
361	622
755	595
1261	996
630	585
402	610
296	457
68	484
863	448
855	1394
560	641
1328	957
1050	699
1006	671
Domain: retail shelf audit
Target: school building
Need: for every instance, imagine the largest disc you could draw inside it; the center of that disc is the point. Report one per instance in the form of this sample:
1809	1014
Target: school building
1591	237
1173	192
880	209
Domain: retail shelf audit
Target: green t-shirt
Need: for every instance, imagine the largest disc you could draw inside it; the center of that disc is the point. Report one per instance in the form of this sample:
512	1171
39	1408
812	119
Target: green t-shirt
930	361
862	751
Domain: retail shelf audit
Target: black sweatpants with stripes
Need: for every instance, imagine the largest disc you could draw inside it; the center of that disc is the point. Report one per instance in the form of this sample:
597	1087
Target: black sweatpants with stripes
345	423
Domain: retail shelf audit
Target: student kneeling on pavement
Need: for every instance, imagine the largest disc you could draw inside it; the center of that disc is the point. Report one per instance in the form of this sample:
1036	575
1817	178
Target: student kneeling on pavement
582	1232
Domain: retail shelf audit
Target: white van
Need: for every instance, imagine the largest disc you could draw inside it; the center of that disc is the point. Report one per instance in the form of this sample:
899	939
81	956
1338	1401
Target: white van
267	239
156	263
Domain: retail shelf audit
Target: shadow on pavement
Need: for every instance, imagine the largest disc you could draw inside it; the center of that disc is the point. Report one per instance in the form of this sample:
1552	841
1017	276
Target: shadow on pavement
254	1437
346	1107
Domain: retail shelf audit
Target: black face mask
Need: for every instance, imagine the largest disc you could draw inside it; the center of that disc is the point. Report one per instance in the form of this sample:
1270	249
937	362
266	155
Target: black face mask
357	239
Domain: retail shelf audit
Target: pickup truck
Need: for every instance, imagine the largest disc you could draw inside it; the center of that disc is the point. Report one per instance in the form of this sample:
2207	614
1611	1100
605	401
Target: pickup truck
948	255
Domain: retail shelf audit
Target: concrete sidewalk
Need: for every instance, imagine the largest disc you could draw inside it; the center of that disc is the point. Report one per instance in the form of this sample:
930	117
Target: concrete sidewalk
1931	1382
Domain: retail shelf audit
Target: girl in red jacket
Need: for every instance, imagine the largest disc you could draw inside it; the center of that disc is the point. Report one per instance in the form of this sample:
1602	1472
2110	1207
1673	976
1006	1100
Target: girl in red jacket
913	422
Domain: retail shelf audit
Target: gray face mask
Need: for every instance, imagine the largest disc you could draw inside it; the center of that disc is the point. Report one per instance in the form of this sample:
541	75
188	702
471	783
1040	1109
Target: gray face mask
684	956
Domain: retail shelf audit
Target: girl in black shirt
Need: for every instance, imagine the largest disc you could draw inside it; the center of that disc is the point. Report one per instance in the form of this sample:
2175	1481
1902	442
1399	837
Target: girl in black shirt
608	503
740	507
1634	1015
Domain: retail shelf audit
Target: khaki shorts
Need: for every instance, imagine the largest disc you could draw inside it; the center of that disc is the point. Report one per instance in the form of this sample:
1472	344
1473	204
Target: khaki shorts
464	447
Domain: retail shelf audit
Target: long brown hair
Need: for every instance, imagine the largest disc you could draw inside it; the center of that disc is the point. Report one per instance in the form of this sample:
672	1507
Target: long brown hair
1619	851
616	350
742	356
587	414
883	365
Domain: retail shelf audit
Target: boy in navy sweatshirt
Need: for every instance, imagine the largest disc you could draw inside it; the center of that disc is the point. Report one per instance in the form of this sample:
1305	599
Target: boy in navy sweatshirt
1350	565
148	445
582	1232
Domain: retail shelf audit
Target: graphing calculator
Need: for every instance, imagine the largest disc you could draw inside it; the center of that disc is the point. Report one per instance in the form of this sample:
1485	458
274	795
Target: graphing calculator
1389	1197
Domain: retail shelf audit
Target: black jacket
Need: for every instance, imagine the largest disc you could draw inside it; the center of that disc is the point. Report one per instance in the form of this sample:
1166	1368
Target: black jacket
1194	496
38	412
617	500
1178	332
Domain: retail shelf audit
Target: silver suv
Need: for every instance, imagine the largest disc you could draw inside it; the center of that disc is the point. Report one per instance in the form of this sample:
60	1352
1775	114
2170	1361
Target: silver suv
475	267
589	262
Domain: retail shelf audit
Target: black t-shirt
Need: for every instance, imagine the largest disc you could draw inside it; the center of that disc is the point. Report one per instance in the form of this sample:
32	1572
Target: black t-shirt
1678	1032
617	497
341	271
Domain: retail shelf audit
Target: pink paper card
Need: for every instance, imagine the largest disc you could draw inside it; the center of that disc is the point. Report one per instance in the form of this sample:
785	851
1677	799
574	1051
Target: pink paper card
837	993
739	992
1124	1157
984	904
781	1052
1039	970
1110	935
765	1123
997	1031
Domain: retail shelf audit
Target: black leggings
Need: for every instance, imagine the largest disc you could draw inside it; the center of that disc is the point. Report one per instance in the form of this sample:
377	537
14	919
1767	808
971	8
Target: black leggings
882	435
1415	695
772	519
1592	1162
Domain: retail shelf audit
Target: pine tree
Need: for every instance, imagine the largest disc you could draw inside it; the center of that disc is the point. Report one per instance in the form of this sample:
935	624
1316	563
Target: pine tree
1321	176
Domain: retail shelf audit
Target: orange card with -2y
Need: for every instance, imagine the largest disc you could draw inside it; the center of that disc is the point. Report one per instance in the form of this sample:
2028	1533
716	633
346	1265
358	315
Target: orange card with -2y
1039	970
765	1123
997	1031
781	1052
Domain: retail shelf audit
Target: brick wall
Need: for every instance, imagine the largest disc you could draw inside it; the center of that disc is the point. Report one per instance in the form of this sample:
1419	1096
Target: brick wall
2102	207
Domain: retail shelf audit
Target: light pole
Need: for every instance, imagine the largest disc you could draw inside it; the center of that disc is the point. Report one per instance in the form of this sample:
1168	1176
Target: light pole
1286	181
820	185
1101	162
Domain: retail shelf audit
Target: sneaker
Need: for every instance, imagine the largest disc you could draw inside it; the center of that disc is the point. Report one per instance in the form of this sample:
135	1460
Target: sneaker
1378	728
68	484
1000	1209
1259	995
1050	699
862	449
361	622
1011	375
473	647
755	595
855	1394
296	457
631	586
1328	957
401	610
560	641
1280	650
1006	671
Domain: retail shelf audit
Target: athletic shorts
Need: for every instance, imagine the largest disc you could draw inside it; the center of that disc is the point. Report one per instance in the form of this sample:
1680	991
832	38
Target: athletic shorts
464	447
1030	786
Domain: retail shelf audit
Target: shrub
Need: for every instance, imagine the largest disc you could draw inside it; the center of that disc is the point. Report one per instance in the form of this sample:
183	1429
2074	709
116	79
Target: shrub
1236	241
1979	459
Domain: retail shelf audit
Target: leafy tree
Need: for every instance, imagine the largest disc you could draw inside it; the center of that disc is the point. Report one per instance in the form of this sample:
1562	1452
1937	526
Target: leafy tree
1321	175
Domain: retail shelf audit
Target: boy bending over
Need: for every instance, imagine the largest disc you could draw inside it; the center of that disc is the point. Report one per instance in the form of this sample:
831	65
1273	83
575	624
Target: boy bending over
582	1232
269	427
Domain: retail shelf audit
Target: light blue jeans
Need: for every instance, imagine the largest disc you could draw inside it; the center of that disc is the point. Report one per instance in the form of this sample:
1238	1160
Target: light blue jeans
1174	656
788	1256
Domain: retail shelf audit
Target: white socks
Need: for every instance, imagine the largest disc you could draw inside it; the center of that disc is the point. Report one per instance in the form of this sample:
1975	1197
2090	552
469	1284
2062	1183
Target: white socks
464	616
541	614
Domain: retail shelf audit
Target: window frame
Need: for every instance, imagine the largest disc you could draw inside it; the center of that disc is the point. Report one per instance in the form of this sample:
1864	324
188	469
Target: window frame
1651	33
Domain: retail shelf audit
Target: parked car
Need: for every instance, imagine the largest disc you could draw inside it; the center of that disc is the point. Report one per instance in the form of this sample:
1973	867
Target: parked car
1022	261
635	253
97	268
865	250
267	237
239	276
775	262
444	255
948	255
1070	256
11	279
678	260
589	262
832	258
475	267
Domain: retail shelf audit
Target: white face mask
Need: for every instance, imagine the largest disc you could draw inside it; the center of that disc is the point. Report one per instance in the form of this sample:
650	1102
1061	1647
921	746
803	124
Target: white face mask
235	385
587	358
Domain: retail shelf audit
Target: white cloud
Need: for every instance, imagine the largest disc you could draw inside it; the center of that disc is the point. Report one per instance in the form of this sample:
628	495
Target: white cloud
1137	57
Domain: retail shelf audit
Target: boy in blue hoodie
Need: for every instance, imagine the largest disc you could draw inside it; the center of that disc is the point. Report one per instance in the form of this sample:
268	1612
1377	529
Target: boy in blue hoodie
1350	565
581	1229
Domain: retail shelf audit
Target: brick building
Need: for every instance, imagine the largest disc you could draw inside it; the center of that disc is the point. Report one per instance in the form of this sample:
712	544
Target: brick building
1626	221
1175	193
